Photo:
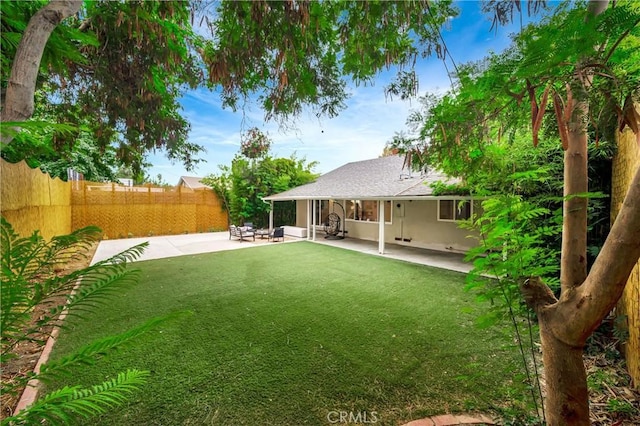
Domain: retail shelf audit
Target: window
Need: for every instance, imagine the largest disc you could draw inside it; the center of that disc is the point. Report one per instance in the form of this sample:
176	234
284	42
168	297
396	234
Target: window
387	211
366	210
454	210
322	211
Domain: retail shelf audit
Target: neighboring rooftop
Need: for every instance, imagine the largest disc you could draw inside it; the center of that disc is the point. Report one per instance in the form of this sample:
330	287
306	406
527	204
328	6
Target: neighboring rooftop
191	182
384	177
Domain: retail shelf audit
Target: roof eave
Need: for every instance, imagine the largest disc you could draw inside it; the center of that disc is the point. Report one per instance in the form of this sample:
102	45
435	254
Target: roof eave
371	197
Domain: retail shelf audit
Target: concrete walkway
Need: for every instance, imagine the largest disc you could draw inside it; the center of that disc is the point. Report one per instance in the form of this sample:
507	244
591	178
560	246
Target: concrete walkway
176	245
445	260
188	244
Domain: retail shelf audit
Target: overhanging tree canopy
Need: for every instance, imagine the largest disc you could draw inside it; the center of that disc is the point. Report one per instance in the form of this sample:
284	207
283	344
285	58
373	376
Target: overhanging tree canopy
126	63
575	75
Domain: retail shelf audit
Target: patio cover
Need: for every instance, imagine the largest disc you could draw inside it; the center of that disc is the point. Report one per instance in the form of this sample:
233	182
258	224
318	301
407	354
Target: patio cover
384	178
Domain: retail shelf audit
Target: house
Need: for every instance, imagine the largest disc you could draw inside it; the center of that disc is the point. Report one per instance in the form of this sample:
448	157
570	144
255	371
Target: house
191	182
364	192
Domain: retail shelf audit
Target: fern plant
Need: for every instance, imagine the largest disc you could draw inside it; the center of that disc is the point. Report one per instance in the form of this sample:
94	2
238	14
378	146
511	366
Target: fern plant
512	248
32	277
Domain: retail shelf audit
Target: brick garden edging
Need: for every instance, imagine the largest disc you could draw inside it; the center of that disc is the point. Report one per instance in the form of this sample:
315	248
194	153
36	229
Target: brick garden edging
453	420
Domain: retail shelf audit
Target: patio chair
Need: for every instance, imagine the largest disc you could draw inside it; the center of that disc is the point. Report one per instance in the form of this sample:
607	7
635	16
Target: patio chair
332	225
248	225
277	233
241	232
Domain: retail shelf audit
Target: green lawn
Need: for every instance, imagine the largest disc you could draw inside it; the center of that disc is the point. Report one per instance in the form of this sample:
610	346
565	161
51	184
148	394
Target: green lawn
286	334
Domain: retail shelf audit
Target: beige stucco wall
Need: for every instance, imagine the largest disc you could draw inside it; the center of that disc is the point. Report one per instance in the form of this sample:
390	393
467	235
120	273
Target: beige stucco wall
416	221
301	213
421	225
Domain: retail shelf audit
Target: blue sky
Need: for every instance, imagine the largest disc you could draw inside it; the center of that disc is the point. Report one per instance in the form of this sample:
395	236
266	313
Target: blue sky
360	131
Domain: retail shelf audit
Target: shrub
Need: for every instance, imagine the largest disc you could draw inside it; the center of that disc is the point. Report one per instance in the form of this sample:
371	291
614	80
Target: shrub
32	278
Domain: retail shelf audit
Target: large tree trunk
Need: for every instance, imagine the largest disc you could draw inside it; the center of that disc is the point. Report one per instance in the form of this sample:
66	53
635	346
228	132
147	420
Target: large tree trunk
567	401
585	300
566	324
566	381
21	87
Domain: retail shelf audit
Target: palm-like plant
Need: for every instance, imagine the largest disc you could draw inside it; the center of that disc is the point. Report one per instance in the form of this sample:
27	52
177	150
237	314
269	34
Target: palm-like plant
32	277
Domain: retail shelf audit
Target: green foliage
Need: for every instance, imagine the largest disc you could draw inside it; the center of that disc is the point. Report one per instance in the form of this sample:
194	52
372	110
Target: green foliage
295	54
63	405
118	72
33	277
477	130
221	185
119	68
35	143
440	188
482	130
622	407
500	100
511	250
255	144
158	180
64	44
144	60
256	175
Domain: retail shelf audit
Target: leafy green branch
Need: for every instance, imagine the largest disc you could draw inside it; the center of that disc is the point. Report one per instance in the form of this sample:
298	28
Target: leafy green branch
32	278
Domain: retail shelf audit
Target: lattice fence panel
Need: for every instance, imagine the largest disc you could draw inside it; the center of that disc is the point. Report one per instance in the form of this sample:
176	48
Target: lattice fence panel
124	212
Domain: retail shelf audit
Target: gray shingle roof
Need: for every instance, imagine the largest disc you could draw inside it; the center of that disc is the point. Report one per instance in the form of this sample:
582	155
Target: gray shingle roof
382	177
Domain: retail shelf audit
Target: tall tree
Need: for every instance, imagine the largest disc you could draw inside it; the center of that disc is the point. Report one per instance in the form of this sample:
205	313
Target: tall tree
254	174
579	72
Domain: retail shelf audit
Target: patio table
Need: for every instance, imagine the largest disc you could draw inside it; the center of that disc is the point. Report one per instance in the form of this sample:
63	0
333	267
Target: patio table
262	233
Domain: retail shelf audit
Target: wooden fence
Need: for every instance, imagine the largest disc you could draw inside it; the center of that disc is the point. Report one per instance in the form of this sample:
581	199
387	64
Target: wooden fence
625	164
31	200
123	212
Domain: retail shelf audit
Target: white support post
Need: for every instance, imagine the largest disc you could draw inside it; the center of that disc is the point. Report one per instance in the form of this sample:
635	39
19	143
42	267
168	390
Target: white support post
308	219
381	226
313	220
271	218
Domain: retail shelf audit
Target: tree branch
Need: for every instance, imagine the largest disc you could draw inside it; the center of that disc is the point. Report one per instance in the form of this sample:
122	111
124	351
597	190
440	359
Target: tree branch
19	103
620	39
537	294
591	302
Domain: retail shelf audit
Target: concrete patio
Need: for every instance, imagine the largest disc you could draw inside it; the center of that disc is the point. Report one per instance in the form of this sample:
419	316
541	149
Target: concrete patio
189	244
